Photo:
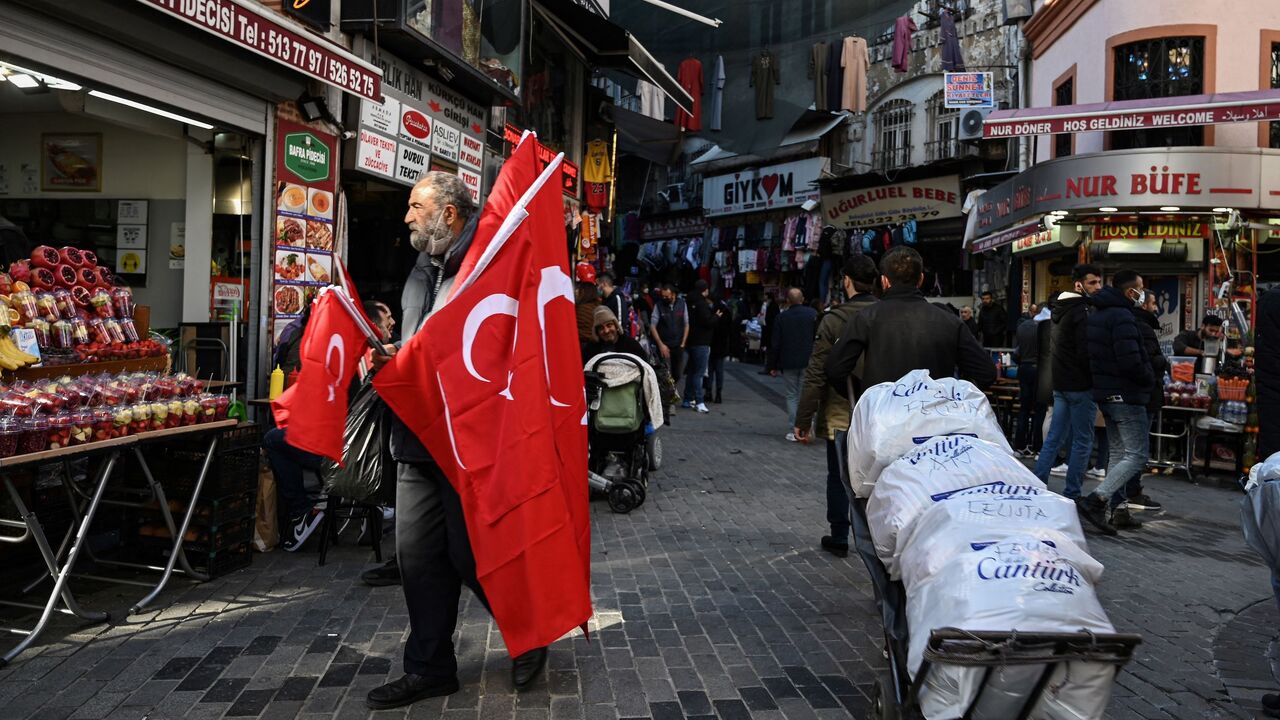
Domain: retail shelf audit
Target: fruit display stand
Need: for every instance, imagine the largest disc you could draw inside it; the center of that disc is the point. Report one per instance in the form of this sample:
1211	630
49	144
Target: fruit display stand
96	490
109	367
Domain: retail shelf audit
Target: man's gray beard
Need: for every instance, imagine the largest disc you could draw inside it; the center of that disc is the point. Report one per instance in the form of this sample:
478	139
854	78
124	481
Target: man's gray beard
433	242
418	240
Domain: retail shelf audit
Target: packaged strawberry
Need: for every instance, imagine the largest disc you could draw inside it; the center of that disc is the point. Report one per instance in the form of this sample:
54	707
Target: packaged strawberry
121	420
159	415
63	301
99	331
47	307
100	303
223	405
141	418
59	432
35	434
130	330
208	408
10	435
114	330
104	427
122	302
42	330
81	427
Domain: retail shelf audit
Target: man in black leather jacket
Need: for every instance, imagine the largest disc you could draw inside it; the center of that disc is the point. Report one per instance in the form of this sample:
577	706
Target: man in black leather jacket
904	332
431	533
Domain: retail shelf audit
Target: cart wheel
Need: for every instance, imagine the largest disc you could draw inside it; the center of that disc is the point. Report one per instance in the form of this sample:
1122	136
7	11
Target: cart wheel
653	444
884	705
641	493
623	498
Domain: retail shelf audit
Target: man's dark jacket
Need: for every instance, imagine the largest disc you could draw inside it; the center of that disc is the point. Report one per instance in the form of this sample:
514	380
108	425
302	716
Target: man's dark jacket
1148	325
993	323
722	336
793	334
419	295
1266	370
1117	360
1027	347
701	320
904	332
1069	345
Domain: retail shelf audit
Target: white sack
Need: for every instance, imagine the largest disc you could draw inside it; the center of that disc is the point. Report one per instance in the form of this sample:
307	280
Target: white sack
929	472
988	514
1076	691
890	419
1020	583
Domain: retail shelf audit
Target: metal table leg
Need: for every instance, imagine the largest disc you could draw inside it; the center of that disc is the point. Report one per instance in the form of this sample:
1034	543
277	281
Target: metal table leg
158	490
182	531
60	573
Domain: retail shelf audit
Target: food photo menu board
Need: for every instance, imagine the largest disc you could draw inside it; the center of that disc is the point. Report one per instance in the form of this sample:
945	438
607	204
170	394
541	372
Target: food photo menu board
302	247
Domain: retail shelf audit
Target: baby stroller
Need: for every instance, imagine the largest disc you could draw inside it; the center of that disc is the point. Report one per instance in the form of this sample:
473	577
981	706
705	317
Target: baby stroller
621	435
897	697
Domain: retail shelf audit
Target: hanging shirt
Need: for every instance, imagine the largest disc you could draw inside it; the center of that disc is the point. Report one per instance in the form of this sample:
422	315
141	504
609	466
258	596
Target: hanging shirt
855	60
596	167
652	102
717	94
818	71
690	78
597	196
835	76
764	75
952	59
902	29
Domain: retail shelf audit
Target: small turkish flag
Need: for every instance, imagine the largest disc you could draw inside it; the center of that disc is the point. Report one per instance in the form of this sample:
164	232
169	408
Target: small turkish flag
314	409
492	387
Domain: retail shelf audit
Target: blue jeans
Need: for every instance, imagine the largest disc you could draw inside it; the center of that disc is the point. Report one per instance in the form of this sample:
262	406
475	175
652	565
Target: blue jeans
794	380
715	375
824	279
697	356
837	497
1129	441
288	464
1073	414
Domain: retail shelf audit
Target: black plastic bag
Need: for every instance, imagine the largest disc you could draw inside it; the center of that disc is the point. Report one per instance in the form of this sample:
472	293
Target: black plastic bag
366	448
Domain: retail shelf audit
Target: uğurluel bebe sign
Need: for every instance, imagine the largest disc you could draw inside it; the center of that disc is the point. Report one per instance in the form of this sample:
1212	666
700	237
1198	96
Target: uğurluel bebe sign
1187	178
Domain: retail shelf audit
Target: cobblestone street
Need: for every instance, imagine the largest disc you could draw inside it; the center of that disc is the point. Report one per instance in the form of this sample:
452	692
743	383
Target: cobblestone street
711	600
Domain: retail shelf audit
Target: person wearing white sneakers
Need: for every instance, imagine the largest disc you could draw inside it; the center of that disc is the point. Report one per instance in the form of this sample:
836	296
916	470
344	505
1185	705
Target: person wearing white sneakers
793	334
702	324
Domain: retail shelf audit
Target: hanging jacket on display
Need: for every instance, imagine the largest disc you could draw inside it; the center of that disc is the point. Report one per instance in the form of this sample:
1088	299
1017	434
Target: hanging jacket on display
717	94
902	29
764	75
952	58
818	72
690	78
855	60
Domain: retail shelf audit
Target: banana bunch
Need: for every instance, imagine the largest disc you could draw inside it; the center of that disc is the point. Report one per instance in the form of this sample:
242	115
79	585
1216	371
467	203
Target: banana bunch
11	358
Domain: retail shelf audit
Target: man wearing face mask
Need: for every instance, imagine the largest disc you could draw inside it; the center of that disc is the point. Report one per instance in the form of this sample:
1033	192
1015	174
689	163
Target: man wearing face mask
431	534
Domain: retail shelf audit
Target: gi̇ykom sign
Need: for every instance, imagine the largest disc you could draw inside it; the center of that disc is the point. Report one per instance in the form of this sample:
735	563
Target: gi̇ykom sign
242	23
968	90
773	186
932	199
1189	178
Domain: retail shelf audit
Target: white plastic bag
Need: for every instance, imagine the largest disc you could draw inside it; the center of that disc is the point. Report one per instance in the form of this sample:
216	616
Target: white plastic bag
890	419
1019	583
929	472
988	514
1076	691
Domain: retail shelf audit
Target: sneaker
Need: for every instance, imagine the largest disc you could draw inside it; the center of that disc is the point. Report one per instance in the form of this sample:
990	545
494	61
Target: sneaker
1098	473
1144	502
835	547
1122	519
686	405
300	528
790	437
388	513
1094	509
702	408
1060	470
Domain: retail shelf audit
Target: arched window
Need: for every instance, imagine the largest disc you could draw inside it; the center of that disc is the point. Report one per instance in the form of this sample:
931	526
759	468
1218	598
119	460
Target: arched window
944	130
1158	68
893	135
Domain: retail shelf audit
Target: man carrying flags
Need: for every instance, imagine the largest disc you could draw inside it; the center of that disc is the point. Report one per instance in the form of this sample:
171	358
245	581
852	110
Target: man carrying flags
480	408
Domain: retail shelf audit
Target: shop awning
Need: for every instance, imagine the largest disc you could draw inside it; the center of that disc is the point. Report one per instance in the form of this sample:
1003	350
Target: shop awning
645	137
1216	109
1006	237
811	126
607	45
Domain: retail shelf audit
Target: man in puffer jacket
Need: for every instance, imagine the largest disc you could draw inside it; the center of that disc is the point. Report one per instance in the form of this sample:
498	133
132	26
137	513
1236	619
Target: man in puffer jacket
1122	384
1131	496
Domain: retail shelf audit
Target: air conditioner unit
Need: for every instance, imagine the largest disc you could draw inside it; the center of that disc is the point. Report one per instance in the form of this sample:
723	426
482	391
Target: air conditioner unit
971	121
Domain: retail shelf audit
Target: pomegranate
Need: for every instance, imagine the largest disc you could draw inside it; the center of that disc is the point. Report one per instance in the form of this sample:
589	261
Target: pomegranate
71	256
45	256
90	258
44	278
105	277
67	275
80	296
88	277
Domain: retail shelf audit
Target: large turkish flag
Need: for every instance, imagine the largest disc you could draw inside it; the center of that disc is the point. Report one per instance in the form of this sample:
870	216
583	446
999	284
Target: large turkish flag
493	388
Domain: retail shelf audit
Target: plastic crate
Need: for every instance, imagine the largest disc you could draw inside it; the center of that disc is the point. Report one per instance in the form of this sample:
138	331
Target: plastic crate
201	538
221	562
234	468
211	512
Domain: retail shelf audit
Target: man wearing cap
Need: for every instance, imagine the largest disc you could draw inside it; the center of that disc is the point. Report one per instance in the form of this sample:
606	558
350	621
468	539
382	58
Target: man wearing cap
609	337
702	324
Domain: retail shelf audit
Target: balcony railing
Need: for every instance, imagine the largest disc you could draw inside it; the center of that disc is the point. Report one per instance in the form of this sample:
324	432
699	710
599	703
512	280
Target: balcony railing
944	149
891	159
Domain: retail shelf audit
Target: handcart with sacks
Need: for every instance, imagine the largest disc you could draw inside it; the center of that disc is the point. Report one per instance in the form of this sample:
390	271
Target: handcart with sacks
981	574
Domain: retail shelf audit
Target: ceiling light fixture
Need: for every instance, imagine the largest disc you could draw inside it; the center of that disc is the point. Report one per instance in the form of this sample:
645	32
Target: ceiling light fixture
148	108
31	79
25	82
1108	209
1222	210
1170	208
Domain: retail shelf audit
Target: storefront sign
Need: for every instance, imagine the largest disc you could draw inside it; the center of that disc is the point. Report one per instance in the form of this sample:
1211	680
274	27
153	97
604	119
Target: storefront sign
376	153
1148	178
568	171
430	95
1033	241
932	199
444	141
306	156
383	117
472	181
968	90
243	24
471	153
415	127
663	228
1000	239
411	162
765	188
301	250
1158	230
1197	110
